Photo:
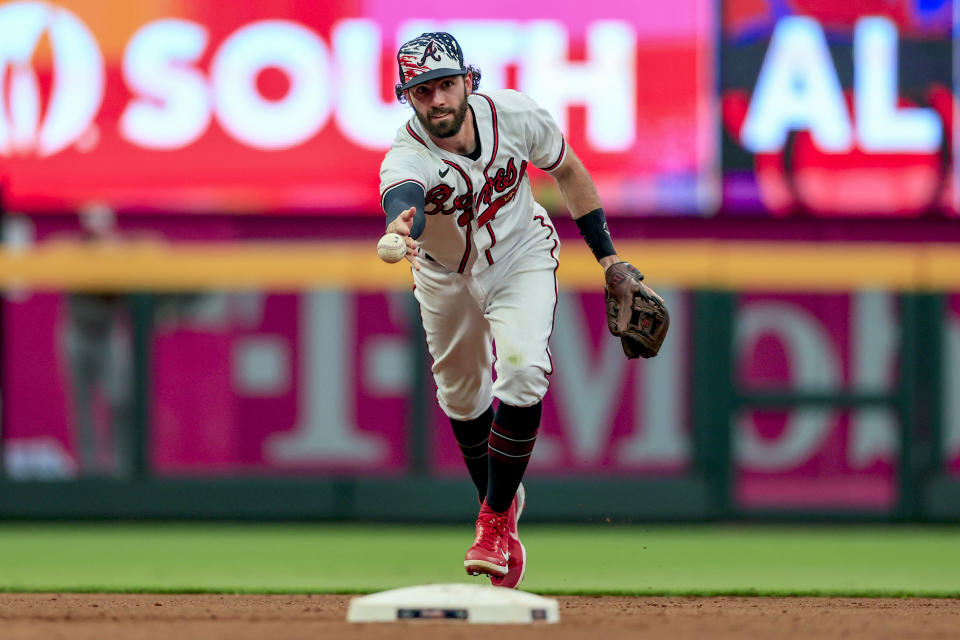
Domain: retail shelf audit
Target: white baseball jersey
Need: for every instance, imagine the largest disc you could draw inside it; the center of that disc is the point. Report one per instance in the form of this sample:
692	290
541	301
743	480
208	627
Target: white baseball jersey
490	277
478	211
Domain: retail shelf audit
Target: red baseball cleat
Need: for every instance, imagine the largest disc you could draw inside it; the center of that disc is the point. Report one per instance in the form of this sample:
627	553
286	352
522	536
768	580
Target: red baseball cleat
489	553
517	560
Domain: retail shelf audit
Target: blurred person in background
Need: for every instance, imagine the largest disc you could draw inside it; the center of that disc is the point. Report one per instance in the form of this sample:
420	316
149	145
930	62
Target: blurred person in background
97	338
97	341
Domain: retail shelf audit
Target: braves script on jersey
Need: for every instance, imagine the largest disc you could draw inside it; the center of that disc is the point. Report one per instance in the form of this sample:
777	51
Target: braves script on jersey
479	211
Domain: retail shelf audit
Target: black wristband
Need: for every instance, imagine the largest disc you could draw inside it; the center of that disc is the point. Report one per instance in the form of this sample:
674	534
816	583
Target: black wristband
593	228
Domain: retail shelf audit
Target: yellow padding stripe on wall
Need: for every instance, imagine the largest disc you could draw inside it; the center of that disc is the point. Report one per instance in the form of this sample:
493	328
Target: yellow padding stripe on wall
776	266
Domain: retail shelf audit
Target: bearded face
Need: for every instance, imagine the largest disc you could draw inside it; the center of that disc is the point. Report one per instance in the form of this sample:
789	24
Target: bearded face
444	127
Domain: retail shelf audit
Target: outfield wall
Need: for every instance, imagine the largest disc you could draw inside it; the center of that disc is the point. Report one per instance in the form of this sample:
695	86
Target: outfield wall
783	172
799	378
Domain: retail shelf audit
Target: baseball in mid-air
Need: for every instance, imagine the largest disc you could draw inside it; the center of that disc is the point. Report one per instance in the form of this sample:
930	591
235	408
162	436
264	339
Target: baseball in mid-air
392	247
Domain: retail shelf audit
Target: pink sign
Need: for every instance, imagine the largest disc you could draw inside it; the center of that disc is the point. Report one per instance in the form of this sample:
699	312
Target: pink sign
298	382
248	383
320	382
39	441
816	456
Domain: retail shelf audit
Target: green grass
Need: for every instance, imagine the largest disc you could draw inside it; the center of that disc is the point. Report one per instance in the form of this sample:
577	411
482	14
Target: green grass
598	559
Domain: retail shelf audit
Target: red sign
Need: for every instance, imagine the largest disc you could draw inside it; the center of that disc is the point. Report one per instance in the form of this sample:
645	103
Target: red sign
255	106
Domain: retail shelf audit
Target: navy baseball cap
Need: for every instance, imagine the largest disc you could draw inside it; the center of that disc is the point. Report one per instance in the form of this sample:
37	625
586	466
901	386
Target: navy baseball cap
429	56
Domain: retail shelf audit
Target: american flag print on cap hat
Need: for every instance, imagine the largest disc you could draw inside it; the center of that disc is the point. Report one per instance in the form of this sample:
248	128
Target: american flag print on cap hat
429	56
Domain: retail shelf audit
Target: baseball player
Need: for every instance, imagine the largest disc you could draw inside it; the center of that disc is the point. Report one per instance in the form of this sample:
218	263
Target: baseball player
484	261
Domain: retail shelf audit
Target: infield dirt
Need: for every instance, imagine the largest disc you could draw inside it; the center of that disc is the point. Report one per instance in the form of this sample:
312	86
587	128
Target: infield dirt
240	617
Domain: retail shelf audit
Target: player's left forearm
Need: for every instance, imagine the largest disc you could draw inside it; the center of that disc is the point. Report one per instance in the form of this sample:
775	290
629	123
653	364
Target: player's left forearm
576	186
580	195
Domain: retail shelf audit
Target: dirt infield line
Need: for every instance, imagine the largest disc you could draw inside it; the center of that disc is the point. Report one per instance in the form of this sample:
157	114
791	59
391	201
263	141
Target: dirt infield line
295	617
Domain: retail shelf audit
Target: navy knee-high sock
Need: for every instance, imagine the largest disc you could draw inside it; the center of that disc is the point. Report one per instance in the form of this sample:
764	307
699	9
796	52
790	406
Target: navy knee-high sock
472	437
512	437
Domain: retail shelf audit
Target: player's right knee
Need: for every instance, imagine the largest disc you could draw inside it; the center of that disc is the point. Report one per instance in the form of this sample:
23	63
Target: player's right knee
463	407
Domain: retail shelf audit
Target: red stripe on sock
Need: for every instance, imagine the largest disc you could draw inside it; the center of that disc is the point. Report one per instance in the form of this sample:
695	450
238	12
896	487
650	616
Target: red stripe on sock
511	446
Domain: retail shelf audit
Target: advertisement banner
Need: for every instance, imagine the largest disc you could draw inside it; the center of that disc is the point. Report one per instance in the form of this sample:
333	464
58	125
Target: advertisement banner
175	106
317	382
816	456
312	382
838	109
239	384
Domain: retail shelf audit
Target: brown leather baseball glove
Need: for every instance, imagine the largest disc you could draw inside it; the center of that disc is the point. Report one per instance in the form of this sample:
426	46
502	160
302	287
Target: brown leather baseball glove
635	312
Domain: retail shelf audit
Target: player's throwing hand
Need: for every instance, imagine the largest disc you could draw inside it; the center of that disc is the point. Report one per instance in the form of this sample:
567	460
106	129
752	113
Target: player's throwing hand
401	225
